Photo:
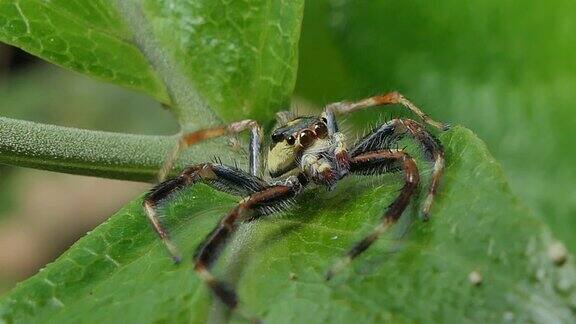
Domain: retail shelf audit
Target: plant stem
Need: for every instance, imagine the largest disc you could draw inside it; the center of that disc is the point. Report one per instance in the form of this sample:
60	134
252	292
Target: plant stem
87	152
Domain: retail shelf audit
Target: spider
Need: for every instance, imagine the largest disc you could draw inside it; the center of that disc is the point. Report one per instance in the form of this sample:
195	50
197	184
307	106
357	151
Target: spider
302	151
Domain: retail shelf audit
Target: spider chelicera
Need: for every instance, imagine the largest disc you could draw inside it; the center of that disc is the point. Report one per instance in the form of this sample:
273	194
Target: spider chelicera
302	151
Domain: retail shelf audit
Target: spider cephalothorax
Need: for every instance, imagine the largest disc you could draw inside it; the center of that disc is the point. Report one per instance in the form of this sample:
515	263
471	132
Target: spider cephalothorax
302	150
305	145
289	141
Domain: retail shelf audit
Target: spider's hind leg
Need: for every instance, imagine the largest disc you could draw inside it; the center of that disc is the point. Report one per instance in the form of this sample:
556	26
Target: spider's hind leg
387	136
220	177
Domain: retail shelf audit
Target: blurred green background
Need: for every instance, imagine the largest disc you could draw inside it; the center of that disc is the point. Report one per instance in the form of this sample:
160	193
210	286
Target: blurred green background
43	213
505	69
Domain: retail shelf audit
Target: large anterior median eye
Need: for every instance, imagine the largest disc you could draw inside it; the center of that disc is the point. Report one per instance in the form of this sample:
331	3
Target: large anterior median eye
306	137
321	130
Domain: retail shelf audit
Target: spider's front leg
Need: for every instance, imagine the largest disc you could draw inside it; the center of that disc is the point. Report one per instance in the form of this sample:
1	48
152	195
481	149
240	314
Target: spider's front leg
374	163
189	139
391	98
220	177
258	204
387	135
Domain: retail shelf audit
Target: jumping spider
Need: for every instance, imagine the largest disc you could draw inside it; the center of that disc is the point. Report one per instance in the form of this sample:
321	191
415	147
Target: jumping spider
302	150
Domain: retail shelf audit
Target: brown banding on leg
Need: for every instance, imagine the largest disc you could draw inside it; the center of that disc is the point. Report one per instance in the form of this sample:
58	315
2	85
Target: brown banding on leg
387	135
434	151
381	161
221	177
189	139
385	99
249	209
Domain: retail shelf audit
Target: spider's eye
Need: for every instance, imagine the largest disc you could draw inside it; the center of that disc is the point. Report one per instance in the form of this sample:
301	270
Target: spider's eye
291	140
321	130
277	137
306	137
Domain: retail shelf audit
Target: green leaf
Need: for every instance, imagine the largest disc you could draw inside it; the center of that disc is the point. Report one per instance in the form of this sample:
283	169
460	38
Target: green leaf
237	59
504	69
89	37
241	55
278	264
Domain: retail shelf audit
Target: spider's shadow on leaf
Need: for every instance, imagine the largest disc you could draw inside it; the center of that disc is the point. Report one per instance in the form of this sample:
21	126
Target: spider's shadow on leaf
323	208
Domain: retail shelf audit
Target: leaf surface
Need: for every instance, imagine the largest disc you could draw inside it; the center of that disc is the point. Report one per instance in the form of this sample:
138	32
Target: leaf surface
86	36
418	272
237	59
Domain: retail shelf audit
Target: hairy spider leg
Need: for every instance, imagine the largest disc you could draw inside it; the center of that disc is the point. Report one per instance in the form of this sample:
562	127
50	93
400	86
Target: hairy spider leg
380	162
341	151
264	202
220	177
390	98
433	151
387	136
189	139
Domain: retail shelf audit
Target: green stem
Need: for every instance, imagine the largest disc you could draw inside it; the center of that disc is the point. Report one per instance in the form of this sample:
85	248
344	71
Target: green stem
81	151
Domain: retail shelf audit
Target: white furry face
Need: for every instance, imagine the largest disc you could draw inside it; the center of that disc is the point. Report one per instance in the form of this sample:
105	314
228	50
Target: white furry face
290	141
320	146
281	158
